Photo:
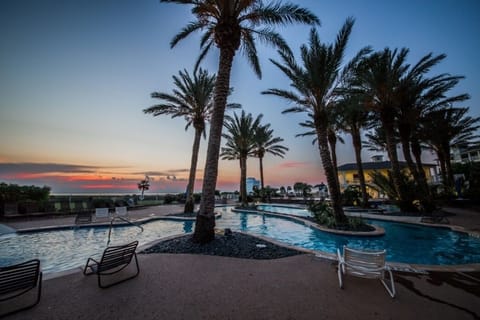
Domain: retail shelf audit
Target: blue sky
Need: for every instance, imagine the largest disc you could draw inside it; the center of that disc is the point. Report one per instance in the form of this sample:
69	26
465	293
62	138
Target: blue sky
75	76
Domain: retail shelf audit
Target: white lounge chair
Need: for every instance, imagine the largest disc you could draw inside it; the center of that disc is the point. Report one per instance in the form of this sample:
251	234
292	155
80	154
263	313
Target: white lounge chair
101	213
365	264
121	212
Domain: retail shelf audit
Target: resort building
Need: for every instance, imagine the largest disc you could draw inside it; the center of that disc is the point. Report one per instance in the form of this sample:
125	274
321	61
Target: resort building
252	182
348	174
465	153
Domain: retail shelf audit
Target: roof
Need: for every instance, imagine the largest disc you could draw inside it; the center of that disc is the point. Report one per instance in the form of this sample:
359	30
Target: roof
376	165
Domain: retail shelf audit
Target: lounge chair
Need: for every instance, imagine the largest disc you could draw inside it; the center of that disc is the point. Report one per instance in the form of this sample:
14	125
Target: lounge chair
16	280
121	212
114	260
83	217
101	213
365	264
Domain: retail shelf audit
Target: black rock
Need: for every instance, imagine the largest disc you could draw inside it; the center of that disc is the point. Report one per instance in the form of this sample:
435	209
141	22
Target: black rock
236	245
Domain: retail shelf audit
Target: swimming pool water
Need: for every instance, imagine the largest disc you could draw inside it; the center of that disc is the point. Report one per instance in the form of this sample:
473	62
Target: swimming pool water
64	249
293	210
67	248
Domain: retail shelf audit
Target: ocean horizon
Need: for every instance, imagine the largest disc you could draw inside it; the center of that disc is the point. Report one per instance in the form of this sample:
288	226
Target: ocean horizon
110	194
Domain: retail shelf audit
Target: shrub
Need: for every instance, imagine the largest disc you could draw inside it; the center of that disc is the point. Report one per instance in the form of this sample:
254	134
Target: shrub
168	198
352	196
323	214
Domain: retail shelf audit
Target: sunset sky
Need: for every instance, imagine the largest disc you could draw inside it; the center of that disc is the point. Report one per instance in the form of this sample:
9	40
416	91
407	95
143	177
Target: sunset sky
76	75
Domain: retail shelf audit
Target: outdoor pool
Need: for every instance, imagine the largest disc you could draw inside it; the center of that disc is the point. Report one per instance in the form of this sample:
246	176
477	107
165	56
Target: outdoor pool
68	248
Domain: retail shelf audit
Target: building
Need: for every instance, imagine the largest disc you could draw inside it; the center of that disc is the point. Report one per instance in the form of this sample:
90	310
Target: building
252	182
465	153
348	173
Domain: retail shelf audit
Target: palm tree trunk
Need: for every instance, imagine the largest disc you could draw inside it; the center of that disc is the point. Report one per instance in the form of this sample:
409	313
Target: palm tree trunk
205	222
405	141
428	202
332	142
357	146
417	154
243	181
261	172
332	181
388	125
448	165
443	168
190	203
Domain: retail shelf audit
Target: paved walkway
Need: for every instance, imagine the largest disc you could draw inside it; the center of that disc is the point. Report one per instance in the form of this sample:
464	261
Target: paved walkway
38	222
209	287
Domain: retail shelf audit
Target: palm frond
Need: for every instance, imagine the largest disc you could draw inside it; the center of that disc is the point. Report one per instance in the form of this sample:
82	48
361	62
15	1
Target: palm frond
186	31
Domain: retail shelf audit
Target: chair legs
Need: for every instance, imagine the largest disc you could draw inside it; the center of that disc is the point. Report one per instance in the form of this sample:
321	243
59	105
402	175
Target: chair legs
340	271
391	288
103	286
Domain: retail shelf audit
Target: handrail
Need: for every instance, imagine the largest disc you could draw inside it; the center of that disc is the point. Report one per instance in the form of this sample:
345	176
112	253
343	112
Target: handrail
123	219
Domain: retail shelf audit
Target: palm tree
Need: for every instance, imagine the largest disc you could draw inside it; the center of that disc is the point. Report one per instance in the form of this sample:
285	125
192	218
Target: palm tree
354	117
452	127
144	185
378	77
240	144
231	25
192	99
315	83
266	143
418	96
332	134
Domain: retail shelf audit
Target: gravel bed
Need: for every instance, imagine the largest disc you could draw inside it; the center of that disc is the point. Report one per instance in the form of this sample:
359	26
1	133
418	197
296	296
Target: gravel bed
235	245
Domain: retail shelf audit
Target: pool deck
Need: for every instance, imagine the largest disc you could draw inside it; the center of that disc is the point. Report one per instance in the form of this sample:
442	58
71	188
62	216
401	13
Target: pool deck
184	286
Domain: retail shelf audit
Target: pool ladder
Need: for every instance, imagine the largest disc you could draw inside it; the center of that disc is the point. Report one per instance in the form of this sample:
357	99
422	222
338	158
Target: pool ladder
123	219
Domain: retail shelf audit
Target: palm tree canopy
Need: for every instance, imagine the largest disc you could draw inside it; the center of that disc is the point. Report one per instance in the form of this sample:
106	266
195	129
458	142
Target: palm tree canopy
233	25
240	136
452	127
192	99
310	125
378	77
265	142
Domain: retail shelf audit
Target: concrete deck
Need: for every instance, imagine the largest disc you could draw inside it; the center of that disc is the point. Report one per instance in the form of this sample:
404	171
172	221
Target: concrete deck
209	287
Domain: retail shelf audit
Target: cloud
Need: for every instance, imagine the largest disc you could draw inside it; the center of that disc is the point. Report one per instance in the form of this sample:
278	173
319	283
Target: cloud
42	168
70	178
294	164
163	173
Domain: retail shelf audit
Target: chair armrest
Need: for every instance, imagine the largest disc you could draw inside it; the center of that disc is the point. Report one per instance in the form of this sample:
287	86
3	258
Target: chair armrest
92	266
340	257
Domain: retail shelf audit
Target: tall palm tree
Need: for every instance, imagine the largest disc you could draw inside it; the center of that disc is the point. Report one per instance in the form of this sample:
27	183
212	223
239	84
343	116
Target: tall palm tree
333	134
231	25
378	76
265	142
192	99
419	95
353	118
452	127
315	82
240	144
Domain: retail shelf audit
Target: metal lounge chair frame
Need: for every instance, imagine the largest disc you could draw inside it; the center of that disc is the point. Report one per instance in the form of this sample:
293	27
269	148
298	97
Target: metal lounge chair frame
18	279
121	212
114	260
365	264
102	213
